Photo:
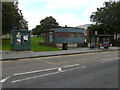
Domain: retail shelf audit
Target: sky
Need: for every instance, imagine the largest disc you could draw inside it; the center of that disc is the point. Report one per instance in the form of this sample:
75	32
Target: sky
66	12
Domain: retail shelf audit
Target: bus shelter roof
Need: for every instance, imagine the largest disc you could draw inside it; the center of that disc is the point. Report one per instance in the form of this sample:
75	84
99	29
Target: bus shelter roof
103	35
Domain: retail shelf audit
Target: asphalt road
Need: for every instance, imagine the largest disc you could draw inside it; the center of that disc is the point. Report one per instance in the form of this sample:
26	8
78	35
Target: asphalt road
90	70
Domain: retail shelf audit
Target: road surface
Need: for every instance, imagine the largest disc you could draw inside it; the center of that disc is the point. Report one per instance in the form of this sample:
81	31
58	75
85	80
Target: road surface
90	70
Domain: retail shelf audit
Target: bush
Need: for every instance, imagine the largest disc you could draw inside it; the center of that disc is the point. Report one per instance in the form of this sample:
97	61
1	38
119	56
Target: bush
114	42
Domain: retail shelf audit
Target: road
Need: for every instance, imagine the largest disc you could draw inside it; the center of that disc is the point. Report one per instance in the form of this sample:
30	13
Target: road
90	70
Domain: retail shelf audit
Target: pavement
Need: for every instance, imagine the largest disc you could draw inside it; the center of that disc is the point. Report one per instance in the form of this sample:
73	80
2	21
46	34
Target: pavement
14	55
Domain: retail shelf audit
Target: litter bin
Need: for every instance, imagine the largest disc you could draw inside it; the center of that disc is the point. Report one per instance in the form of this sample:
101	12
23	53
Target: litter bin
20	40
64	46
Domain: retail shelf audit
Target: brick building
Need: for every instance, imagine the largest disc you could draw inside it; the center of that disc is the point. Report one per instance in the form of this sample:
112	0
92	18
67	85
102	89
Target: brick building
70	35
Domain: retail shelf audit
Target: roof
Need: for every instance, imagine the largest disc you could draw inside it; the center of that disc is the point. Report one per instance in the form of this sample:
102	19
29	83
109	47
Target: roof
68	29
20	31
103	35
84	26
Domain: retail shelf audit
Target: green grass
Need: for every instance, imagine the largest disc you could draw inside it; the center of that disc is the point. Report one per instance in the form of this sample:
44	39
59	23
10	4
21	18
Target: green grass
6	43
6	38
34	44
36	47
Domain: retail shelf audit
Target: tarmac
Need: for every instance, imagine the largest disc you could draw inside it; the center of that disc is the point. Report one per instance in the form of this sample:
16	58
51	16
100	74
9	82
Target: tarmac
15	55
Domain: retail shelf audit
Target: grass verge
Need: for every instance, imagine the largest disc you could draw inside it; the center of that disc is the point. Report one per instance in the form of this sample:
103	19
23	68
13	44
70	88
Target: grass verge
36	47
34	44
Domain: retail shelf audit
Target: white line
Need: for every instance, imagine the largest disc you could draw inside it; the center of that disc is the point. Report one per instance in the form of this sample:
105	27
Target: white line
43	70
34	71
45	75
5	79
34	77
107	61
71	65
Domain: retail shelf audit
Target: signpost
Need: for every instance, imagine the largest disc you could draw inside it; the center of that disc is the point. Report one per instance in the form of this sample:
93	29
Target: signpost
96	33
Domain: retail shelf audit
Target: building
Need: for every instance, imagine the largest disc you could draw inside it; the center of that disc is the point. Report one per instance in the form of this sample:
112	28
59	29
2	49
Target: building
86	31
70	35
117	37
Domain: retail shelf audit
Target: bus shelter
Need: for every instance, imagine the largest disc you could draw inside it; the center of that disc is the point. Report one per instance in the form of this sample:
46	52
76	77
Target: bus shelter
104	40
100	40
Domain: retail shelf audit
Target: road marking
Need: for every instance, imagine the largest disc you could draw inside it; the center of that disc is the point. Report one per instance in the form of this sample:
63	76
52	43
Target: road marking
58	56
60	63
76	55
6	61
34	71
49	62
43	70
26	59
36	58
39	58
109	60
60	71
34	77
55	63
83	67
5	79
71	65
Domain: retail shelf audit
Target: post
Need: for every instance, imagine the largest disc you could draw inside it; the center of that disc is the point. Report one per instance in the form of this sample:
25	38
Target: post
95	37
0	43
90	38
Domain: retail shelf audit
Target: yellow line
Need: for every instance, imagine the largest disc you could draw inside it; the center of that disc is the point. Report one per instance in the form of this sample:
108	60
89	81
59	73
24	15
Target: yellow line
49	62
26	59
36	58
6	61
55	63
39	58
60	63
50	57
45	57
57	56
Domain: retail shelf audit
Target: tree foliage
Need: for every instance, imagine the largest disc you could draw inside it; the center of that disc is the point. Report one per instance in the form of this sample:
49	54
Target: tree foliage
45	24
107	19
12	17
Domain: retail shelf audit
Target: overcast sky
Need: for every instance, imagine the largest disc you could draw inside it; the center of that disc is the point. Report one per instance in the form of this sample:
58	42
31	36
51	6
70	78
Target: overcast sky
67	12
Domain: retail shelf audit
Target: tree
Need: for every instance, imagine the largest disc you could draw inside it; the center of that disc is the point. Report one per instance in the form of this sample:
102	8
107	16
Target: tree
37	30
107	18
12	17
45	25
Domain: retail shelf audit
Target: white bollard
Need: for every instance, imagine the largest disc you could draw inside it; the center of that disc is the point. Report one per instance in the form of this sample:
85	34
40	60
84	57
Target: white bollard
110	45
59	69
